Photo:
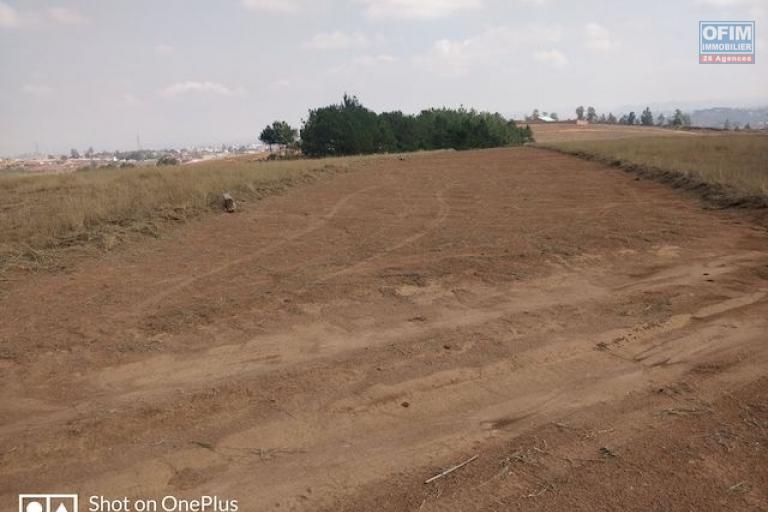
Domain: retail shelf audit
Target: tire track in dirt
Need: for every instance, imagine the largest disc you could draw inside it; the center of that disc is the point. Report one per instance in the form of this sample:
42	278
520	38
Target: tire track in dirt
440	218
340	204
531	307
505	402
427	390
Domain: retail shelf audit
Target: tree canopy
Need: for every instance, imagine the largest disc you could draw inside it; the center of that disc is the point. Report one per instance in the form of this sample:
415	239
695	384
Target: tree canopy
349	128
646	118
680	119
278	132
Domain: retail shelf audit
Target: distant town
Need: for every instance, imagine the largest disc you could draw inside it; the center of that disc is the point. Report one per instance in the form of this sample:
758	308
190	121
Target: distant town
37	162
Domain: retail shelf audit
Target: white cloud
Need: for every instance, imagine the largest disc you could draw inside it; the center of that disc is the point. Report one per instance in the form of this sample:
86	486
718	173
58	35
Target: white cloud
599	38
375	60
552	57
8	15
164	49
728	3
497	46
129	100
417	9
755	8
65	16
379	9
747	9
337	41
452	56
38	90
182	88
281	83
365	65
279	6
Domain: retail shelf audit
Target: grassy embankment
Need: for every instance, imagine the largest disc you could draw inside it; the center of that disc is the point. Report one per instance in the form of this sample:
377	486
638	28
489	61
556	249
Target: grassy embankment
44	218
729	170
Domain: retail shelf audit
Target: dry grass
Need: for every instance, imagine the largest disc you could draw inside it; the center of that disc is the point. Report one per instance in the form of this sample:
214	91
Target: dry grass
42	216
735	165
564	132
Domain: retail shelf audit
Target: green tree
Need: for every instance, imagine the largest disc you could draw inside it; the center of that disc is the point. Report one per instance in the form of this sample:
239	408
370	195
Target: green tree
646	118
286	134
527	134
580	113
167	159
279	132
611	118
632	118
680	119
591	114
268	136
404	129
349	128
344	129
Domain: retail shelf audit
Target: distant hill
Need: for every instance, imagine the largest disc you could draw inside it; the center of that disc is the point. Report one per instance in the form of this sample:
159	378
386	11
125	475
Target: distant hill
756	117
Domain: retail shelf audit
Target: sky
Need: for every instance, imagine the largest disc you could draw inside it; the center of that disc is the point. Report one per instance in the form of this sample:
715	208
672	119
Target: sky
82	73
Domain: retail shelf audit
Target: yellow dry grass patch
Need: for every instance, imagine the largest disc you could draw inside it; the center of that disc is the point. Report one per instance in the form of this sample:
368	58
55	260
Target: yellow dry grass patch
41	215
738	162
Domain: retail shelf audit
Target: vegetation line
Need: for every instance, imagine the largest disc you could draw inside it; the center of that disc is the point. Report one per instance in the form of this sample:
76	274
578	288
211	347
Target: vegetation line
728	171
351	129
44	217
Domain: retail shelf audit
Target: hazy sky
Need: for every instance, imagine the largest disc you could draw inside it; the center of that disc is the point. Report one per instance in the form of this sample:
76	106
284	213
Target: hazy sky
85	73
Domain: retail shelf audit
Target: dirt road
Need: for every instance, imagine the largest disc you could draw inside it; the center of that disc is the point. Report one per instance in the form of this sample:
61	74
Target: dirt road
599	342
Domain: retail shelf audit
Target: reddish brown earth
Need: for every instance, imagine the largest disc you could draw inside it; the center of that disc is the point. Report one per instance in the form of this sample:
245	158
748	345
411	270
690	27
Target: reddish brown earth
600	343
567	132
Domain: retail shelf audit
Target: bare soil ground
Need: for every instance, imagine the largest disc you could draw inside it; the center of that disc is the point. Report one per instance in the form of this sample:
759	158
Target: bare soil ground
599	342
560	132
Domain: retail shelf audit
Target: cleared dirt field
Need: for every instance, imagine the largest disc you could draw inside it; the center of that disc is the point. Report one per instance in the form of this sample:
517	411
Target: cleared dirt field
560	132
598	342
